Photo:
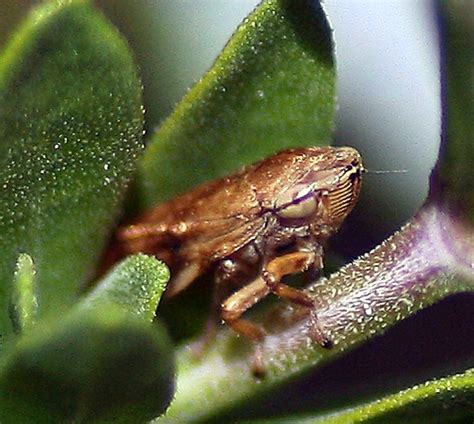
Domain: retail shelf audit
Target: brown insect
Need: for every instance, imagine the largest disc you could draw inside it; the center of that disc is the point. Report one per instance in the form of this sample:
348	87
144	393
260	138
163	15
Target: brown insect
252	228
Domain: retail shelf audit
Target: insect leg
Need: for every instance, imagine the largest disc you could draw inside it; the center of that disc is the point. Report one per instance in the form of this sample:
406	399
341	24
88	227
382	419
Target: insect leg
233	308
293	263
138	231
183	279
314	270
220	292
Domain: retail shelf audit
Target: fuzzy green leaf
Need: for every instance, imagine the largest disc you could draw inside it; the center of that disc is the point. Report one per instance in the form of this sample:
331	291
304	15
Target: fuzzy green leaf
136	284
71	125
446	400
438	401
24	304
272	87
100	363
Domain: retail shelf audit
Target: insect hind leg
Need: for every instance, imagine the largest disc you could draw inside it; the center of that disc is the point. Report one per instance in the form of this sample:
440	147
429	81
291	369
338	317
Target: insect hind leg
219	293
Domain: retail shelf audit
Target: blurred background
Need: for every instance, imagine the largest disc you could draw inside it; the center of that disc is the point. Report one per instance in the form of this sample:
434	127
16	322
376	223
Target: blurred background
389	109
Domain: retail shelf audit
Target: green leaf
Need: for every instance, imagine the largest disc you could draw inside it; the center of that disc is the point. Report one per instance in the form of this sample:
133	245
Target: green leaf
24	304
101	363
71	125
272	87
446	400
136	284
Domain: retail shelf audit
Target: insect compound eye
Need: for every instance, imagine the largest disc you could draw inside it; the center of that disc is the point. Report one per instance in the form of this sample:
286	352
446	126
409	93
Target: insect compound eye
301	209
341	200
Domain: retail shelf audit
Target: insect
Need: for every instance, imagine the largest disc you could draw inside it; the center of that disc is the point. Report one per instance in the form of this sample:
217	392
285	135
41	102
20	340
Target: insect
252	228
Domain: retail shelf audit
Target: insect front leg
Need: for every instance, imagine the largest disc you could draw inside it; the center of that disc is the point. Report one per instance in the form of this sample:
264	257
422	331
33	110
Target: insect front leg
314	271
233	308
293	263
229	272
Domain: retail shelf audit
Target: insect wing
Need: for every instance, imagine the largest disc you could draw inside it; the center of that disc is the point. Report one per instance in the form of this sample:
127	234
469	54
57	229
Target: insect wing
225	241
214	218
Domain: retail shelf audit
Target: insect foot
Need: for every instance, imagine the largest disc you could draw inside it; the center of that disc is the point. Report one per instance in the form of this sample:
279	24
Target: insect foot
316	333
257	365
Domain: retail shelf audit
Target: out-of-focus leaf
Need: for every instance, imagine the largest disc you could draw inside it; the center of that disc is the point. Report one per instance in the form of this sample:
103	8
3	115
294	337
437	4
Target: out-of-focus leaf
453	182
136	285
95	364
70	129
100	360
24	303
272	87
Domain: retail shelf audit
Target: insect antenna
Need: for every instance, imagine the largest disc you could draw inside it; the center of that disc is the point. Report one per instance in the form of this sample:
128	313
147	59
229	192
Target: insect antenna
391	171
